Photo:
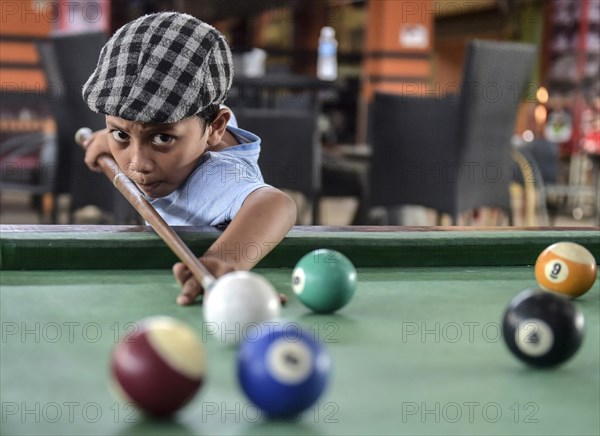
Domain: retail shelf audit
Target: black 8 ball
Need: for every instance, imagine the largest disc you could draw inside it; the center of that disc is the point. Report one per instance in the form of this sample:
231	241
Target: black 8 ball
541	328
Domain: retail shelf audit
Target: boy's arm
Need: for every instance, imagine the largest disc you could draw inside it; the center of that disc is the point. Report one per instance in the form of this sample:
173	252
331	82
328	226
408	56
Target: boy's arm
262	222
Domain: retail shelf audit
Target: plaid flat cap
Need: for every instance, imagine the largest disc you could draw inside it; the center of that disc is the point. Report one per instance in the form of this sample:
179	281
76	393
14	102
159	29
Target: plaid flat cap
160	68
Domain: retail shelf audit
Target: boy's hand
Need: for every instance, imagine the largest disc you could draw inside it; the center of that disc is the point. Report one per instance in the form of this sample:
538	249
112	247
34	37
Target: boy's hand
96	145
190	288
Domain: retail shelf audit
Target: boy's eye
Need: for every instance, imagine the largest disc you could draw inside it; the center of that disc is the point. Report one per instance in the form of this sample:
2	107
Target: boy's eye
120	136
162	139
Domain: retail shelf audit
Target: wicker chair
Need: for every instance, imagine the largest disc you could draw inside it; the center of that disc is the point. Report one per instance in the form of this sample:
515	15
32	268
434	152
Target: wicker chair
452	153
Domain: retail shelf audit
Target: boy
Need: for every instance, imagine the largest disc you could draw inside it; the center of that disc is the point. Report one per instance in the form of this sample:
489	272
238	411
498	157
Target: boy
160	81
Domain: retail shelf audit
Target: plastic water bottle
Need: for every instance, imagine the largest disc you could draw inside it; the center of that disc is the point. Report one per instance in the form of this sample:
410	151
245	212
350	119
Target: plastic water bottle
327	58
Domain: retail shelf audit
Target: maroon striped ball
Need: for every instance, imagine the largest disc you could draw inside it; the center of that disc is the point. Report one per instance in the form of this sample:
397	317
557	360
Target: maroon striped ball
160	366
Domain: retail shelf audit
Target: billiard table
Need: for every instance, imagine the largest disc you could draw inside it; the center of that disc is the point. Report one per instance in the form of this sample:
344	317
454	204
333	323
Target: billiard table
417	351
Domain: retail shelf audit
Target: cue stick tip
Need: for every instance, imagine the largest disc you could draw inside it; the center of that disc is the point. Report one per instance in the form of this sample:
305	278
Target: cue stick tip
283	299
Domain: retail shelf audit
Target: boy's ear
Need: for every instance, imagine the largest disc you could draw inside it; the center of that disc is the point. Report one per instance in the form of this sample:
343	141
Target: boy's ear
218	126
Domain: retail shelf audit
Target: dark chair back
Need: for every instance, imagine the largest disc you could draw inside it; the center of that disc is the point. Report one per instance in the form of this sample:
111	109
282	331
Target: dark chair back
290	155
494	78
414	151
68	61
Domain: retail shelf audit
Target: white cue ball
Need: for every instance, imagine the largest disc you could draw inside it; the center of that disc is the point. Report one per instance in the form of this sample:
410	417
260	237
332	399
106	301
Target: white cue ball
236	302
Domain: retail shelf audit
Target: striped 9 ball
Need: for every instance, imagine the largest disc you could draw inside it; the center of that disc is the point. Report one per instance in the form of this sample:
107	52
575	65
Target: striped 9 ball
566	268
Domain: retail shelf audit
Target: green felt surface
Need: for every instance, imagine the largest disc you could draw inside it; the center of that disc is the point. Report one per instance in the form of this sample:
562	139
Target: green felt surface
417	351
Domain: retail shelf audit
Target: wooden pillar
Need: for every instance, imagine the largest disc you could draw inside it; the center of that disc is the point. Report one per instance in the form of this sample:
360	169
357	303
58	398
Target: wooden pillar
398	52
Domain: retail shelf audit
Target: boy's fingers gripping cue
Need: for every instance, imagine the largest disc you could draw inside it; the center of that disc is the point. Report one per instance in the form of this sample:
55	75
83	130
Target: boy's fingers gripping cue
85	137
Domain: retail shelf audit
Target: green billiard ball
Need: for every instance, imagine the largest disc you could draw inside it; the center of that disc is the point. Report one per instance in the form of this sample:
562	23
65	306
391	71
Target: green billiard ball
324	280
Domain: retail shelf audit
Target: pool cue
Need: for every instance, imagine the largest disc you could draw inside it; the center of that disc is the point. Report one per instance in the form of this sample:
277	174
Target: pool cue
135	197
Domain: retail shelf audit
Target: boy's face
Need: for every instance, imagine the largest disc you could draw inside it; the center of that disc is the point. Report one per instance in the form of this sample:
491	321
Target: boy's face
157	157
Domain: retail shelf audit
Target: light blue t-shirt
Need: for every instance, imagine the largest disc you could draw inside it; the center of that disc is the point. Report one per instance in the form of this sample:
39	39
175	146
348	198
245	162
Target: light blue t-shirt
214	192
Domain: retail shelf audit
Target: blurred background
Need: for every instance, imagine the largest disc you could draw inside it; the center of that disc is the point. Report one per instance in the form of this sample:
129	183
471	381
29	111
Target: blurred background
466	112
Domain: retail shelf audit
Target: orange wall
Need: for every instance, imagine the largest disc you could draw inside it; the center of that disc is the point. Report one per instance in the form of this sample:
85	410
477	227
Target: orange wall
390	58
26	17
393	64
22	21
